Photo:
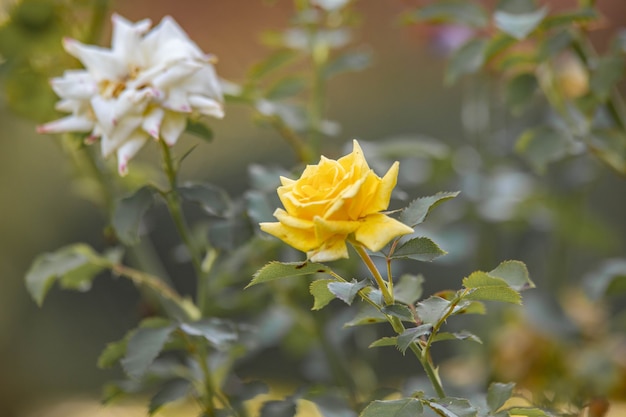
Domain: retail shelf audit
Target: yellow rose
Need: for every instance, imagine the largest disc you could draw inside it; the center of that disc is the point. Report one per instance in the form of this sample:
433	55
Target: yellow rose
332	201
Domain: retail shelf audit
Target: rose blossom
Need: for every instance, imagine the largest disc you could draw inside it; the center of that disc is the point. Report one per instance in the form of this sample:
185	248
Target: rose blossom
145	86
334	201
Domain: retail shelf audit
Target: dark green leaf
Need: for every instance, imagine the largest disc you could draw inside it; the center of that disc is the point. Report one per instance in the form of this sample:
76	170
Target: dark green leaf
411	335
520	91
408	289
384	341
278	409
400	311
212	199
497	44
432	310
586	14
367	315
75	266
608	279
346	291
258	207
271	63
419	249
519	25
143	347
542	145
515	274
451	11
407	407
554	44
347	62
452	407
199	129
462	335
528	412
172	390
286	87
468	59
278	270
221	334
609	71
321	294
113	352
128	213
418	209
609	145
497	394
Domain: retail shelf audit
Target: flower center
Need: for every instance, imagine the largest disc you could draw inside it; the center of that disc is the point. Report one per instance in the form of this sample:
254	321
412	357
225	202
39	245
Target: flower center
113	88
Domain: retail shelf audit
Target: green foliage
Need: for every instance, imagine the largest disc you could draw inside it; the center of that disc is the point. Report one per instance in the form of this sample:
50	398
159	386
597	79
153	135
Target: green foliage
497	394
129	212
410	336
450	11
485	287
406	407
415	213
468	59
346	291
519	25
609	279
452	407
542	145
199	129
219	333
144	345
409	289
172	390
321	293
278	270
419	249
520	91
212	199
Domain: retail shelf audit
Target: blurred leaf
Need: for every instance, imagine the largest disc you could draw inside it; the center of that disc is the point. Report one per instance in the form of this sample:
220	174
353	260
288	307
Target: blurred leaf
411	335
520	91
286	87
347	62
609	145
211	198
462	335
432	310
113	352
346	291
220	333
583	15
230	233
528	412
458	12
608	279
468	59
278	270
418	209
400	311
554	44
497	394
172	390
384	341
542	145
519	25
258	207
419	249
285	408
143	347
332	405
498	43
75	266
488	288
452	407
408	289
321	294
407	407
199	129
609	71
128	213
367	315
515	274
271	63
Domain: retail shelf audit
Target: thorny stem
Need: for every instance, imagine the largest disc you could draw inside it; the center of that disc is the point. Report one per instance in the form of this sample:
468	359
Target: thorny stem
387	296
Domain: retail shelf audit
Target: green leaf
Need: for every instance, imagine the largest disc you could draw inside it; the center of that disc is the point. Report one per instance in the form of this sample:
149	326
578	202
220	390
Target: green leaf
468	59
608	279
113	352
143	347
346	291
271	63
221	334
411	335
75	266
586	14
542	145
400	311
519	25
347	62
419	249
285	408
367	315
497	394
554	44
515	274
488	288
418	209
520	91
128	213
384	341
452	407
258	207
278	270
528	412
199	129
286	87
609	145
321	294
451	11
432	310
172	390
212	199
406	407
498	43
606	75
408	289
462	335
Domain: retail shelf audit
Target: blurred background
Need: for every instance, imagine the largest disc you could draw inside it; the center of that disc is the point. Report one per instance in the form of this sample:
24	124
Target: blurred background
562	223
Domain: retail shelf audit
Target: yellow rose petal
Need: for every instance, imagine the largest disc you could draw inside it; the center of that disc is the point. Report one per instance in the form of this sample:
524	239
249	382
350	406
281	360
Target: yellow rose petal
378	229
380	200
325	229
329	251
302	240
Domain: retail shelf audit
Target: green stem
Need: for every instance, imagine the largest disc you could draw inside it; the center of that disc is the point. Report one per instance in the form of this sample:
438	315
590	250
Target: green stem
387	296
305	153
